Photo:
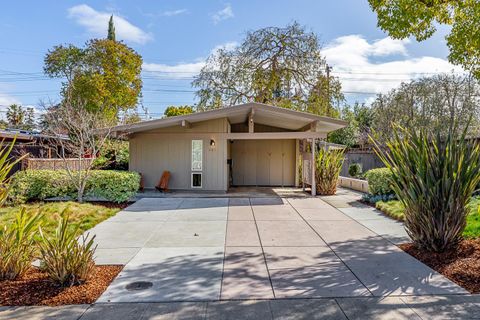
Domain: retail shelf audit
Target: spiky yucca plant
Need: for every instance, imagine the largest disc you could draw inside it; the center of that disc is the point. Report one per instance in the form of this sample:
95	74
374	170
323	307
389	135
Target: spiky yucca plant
328	164
434	176
16	239
17	245
6	165
67	260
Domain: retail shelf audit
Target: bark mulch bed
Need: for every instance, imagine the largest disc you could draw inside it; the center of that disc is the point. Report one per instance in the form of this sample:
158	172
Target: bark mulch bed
461	265
34	288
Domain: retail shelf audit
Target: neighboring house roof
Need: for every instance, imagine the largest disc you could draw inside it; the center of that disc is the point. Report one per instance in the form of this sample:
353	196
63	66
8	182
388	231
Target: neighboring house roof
24	136
263	114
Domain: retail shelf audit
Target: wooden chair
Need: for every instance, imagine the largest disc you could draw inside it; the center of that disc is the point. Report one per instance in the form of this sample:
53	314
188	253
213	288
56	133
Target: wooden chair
142	182
162	185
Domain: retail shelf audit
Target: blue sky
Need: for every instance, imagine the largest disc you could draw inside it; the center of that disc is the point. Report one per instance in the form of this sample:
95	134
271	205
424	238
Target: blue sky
175	37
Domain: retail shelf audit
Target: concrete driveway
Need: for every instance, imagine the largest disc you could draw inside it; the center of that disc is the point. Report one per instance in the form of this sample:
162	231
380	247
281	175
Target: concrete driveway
209	249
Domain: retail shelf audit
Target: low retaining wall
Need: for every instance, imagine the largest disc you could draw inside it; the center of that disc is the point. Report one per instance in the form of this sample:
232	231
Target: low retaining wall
354	184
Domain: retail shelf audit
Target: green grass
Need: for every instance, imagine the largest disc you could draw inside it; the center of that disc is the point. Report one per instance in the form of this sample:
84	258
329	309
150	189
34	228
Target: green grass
83	215
395	210
472	230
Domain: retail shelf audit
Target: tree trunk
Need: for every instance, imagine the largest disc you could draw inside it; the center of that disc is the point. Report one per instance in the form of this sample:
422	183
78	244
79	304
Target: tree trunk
80	193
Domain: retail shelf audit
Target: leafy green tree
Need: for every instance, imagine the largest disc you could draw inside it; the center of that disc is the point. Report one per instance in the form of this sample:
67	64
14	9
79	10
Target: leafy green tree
420	18
105	75
29	123
111	29
113	156
131	117
172	111
325	94
348	135
360	119
64	62
279	66
433	103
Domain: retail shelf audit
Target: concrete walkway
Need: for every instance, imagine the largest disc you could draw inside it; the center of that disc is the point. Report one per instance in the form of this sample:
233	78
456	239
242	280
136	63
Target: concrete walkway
346	201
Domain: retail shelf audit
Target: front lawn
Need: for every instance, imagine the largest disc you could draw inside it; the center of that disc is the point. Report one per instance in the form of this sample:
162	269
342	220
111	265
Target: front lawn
83	215
395	210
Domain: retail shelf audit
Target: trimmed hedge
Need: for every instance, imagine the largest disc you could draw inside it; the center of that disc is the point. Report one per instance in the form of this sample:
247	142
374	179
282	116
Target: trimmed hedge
32	185
379	181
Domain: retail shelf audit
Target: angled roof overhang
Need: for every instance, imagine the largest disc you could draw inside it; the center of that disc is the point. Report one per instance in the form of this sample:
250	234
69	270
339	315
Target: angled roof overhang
262	113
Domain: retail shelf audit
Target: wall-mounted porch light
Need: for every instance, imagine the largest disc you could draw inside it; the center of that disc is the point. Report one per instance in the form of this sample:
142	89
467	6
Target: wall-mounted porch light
212	143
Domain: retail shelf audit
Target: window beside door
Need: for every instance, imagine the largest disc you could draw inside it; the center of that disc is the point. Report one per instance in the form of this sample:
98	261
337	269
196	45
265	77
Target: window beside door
197	163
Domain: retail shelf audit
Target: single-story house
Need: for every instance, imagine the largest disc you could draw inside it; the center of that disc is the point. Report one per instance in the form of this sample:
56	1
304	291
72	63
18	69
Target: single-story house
35	144
251	144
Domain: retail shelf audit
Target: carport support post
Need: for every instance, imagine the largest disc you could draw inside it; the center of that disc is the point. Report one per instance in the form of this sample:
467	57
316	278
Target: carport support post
313	182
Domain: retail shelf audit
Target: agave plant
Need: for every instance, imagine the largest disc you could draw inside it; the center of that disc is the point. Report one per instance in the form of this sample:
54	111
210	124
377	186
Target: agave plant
328	164
17	245
67	260
434	176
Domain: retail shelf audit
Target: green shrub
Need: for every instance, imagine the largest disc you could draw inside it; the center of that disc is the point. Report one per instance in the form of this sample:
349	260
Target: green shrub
375	198
115	186
114	156
355	169
434	176
379	181
328	166
39	185
17	245
67	260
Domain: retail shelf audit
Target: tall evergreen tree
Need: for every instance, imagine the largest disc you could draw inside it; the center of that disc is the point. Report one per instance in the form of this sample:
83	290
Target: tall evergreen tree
111	29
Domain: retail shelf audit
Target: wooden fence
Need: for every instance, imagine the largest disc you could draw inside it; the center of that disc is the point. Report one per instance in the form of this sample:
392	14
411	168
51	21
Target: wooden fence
366	158
57	164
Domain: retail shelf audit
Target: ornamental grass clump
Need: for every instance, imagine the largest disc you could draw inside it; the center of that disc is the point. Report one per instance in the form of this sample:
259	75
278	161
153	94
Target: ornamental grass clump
434	177
68	261
328	164
17	245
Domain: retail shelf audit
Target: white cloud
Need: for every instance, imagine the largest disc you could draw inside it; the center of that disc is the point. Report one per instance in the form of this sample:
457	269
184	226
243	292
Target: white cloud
172	13
184	70
388	46
96	23
225	46
356	62
6	100
224	14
